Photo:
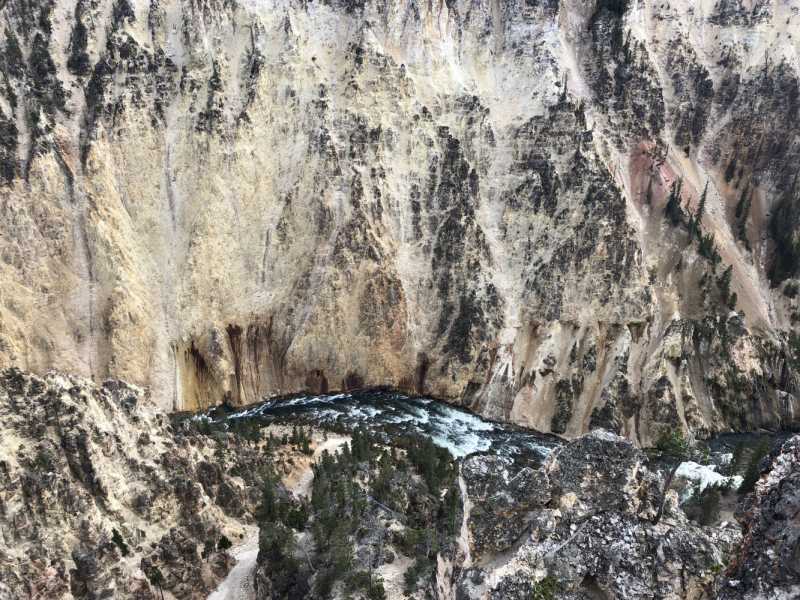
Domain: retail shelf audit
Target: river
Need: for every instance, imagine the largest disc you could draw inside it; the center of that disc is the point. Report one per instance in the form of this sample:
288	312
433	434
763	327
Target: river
394	415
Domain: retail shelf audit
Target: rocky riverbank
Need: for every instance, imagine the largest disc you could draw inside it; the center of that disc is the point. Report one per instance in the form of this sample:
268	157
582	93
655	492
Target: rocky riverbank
766	562
581	526
98	490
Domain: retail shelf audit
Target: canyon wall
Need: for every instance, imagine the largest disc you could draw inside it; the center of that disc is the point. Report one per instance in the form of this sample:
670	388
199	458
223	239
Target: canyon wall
474	200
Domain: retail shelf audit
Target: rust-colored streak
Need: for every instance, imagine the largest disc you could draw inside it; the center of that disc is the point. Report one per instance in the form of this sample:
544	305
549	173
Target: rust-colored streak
235	342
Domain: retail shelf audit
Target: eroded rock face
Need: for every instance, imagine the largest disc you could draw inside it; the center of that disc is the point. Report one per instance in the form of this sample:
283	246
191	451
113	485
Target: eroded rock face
585	520
232	200
82	460
766	563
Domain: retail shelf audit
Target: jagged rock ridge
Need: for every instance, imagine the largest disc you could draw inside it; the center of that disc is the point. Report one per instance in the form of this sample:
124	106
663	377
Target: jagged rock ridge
81	462
582	522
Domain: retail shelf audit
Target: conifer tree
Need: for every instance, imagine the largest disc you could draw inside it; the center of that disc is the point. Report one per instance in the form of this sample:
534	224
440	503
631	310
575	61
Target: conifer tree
731	170
736	460
680	449
724	284
742	198
745	214
157	579
752	475
673	209
701	207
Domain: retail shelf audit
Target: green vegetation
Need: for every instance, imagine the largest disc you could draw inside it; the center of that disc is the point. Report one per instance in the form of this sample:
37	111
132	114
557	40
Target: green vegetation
301	440
673	445
724	284
704	507
156	578
751	475
742	199
786	260
673	209
117	539
745	215
545	589
15	63
617	8
224	544
791	290
731	170
78	62
351	491
708	249
735	466
794	340
696	221
653	274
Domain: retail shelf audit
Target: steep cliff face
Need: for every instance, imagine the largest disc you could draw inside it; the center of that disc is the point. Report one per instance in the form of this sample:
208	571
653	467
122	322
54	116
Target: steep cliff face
474	200
764	563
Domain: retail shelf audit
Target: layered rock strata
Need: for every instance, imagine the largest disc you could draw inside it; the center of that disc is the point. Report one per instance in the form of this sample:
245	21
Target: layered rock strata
232	200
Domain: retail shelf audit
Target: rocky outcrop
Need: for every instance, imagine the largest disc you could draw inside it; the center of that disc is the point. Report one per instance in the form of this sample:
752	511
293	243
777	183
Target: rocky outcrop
82	462
230	200
581	523
766	562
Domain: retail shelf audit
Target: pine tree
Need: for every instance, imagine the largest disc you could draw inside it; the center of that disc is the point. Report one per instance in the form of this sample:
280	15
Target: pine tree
724	283
745	214
680	449
696	223
786	262
341	493
736	460
224	544
673	209
701	207
117	539
742	199
731	170
157	579
751	475
692	229
709	506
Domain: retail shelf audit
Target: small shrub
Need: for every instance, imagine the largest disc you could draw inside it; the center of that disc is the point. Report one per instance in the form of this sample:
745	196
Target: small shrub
224	544
545	589
117	539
